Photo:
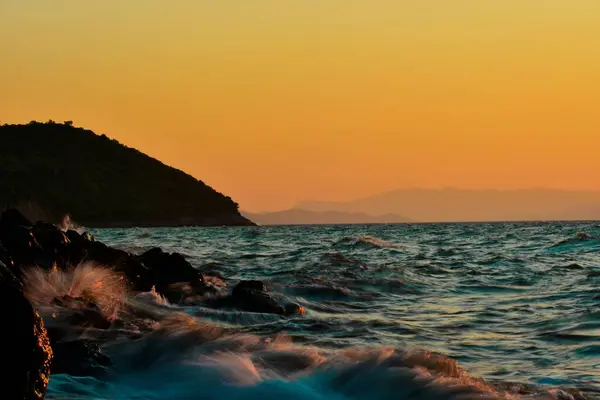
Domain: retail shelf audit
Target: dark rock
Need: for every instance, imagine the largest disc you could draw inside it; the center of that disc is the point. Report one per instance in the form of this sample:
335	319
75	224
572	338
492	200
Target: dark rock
4	256
178	293
55	245
12	217
83	313
50	237
79	358
88	236
21	245
167	269
23	335
251	285
76	249
44	225
137	274
252	296
294	309
75	238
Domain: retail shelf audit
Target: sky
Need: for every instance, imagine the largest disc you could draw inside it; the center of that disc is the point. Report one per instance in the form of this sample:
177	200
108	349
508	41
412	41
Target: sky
274	102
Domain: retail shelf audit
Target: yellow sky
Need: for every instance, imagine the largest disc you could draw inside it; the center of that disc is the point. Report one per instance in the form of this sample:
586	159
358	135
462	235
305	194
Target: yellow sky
273	102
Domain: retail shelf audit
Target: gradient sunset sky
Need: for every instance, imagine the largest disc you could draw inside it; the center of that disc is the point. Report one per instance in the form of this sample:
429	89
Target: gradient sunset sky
273	102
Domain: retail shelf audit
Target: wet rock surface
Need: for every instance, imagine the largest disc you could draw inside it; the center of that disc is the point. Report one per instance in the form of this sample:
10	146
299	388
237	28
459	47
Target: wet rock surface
23	341
25	245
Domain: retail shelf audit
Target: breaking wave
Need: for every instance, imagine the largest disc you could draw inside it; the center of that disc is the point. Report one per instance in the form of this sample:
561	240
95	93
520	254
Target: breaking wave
369	240
378	321
91	282
183	357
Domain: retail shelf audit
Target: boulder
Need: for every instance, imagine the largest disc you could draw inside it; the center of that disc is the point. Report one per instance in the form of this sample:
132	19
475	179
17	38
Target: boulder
12	217
5	256
250	285
167	269
20	243
26	374
294	309
54	244
138	275
250	296
79	358
82	312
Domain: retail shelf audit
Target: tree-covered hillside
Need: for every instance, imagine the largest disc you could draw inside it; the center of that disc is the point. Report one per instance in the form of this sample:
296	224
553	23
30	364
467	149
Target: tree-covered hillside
51	169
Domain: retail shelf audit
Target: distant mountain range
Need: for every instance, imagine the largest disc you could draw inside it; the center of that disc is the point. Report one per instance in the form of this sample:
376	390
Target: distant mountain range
446	205
306	217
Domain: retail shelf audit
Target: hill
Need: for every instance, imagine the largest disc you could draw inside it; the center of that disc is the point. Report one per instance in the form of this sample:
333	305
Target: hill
305	217
445	205
48	170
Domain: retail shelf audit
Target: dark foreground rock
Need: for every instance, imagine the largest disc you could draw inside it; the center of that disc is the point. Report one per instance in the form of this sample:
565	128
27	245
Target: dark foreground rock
79	358
24	245
169	268
252	295
83	313
24	344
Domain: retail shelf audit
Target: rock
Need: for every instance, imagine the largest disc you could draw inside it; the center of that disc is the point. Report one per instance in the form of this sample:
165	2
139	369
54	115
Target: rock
252	296
55	245
4	256
50	237
178	293
79	358
75	238
88	236
138	275
294	309
250	285
12	217
84	313
76	248
22	334
167	269
21	245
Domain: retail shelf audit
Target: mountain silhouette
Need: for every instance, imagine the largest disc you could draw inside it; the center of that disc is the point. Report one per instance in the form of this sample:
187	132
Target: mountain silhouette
51	169
447	205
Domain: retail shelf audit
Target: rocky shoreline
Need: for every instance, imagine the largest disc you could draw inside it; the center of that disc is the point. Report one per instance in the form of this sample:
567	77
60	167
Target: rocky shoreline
42	346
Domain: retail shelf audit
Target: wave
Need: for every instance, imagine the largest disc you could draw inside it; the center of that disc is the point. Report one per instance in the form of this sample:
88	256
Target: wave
163	351
68	224
93	283
369	240
580	238
192	358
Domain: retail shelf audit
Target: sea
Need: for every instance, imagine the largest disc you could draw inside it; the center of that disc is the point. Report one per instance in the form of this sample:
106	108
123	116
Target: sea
406	311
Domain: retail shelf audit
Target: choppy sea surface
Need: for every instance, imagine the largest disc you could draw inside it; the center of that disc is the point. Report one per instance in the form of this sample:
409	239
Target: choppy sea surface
410	311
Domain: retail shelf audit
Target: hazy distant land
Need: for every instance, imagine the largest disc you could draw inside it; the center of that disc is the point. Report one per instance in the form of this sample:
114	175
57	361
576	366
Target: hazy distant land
448	205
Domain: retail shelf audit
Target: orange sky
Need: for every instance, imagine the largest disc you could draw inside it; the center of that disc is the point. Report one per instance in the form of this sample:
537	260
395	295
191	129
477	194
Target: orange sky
273	102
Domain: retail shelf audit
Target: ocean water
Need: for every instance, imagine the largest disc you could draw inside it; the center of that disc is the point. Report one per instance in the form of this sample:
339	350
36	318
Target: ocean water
410	311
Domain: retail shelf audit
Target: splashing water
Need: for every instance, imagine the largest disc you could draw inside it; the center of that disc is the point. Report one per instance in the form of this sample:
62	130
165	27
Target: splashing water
463	311
89	281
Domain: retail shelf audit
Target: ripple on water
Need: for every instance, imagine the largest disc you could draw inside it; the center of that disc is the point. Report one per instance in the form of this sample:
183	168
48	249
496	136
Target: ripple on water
515	303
